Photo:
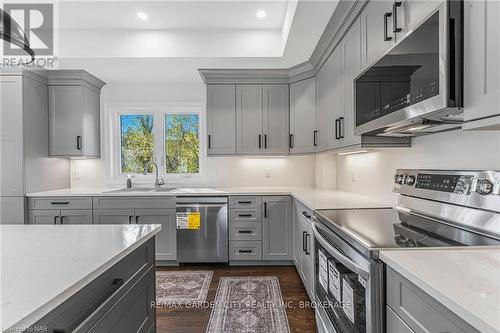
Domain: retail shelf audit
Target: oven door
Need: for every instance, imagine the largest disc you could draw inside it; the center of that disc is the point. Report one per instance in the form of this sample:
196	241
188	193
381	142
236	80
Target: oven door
348	286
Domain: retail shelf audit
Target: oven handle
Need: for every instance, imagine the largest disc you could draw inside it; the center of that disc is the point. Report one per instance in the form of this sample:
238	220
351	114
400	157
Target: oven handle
337	255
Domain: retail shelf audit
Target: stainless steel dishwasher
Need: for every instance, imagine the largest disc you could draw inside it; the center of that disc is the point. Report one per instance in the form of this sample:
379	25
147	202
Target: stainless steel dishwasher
205	241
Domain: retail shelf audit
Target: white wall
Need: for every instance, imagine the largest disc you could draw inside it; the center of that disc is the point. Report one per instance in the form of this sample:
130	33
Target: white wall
220	171
372	173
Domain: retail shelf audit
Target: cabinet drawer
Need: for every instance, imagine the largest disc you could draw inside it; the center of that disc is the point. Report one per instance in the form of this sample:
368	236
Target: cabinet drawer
419	310
133	202
245	250
83	310
245	215
60	203
245	202
245	231
134	311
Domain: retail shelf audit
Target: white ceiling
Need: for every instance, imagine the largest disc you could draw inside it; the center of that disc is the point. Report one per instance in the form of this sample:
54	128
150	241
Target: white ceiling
182	36
172	15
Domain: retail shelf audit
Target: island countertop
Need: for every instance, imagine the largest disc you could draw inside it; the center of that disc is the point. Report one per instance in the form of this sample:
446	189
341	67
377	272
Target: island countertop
466	281
43	265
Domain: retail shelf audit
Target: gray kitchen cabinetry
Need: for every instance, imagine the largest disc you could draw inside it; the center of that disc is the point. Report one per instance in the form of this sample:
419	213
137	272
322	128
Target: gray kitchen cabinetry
60	210
142	210
245	228
481	70
121	299
303	246
24	166
417	310
277	224
54	216
74	114
221	119
303	133
408	14
377	33
262	119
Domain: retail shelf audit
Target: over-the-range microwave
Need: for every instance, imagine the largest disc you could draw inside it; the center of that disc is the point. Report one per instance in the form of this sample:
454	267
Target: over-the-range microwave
417	86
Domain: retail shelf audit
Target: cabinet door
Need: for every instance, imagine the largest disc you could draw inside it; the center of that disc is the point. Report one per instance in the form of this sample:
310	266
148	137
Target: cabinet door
335	136
221	119
49	216
133	311
411	13
351	64
65	120
482	51
12	210
91	140
377	30
276	121
11	136
249	134
76	216
113	216
277	226
297	237
166	239
307	257
326	102
303	116
394	323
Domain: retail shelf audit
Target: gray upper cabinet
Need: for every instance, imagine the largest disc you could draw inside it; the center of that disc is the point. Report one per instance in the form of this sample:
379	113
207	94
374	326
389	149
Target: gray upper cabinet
277	224
249	134
408	14
303	134
376	30
482	51
351	63
221	119
276	123
326	103
74	114
262	119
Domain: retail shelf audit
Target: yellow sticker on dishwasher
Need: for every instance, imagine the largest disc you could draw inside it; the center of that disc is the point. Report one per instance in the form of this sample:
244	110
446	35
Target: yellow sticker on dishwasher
194	220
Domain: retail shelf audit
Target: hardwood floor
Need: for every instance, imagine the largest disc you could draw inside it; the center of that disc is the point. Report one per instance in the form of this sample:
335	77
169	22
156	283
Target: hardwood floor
183	320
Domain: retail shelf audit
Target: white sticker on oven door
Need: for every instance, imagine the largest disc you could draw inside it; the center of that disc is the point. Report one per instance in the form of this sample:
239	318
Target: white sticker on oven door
323	270
348	300
334	280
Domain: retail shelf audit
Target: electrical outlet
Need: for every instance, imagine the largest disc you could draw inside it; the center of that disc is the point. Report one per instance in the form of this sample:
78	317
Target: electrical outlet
268	173
76	175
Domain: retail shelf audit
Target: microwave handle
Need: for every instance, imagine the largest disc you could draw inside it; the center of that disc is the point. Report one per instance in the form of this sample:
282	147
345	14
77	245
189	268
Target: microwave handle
337	255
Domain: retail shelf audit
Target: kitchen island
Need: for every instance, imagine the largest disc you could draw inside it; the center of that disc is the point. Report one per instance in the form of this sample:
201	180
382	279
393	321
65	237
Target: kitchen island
77	277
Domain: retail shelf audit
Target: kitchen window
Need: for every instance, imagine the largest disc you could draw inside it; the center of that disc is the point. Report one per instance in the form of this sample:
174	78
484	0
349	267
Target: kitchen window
169	135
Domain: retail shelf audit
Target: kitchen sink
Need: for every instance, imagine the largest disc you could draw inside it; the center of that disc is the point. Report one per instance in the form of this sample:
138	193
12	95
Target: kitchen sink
143	189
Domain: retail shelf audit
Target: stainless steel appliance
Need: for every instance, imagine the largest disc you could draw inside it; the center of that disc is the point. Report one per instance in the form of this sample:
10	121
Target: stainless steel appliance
417	87
209	243
435	208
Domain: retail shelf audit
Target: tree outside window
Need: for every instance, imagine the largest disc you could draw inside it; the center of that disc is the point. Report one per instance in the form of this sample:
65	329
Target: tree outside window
136	133
182	143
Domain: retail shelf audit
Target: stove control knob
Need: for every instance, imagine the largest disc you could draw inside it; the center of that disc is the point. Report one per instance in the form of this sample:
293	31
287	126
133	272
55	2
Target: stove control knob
484	187
410	180
399	179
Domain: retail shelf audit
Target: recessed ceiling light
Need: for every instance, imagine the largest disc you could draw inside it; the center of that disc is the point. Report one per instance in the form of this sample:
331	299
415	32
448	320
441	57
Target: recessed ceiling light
261	14
143	16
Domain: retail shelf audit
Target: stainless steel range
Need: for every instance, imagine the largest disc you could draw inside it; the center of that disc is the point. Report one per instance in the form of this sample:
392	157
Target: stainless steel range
436	208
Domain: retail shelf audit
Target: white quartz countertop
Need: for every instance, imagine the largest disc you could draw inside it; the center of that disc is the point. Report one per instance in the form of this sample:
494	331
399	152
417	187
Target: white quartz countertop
466	281
312	197
43	265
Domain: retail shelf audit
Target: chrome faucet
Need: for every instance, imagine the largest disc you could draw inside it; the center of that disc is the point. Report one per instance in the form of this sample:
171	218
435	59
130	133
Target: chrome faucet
158	181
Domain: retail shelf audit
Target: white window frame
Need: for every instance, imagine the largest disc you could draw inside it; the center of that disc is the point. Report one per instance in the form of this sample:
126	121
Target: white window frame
112	151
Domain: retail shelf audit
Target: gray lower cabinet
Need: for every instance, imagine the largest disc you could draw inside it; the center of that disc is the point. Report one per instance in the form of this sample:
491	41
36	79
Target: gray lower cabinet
303	246
221	119
63	216
394	324
417	310
277	223
113	216
166	239
121	299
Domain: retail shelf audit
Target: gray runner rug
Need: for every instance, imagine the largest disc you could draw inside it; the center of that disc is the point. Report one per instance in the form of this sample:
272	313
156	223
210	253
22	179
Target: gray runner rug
248	305
182	287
